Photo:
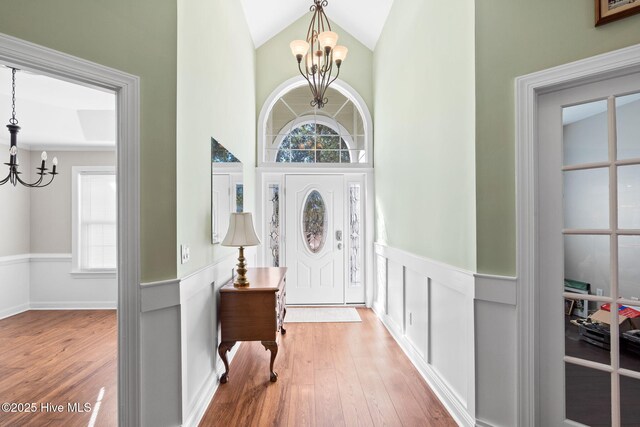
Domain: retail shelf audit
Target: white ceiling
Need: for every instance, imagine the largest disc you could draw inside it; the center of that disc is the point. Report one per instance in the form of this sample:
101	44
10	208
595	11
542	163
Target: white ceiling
363	19
54	114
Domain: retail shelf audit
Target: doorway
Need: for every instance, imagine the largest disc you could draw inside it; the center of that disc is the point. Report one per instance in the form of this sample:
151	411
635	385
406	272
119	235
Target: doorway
315	233
589	250
47	62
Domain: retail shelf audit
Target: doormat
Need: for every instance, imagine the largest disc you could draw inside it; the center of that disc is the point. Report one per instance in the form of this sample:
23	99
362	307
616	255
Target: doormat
321	315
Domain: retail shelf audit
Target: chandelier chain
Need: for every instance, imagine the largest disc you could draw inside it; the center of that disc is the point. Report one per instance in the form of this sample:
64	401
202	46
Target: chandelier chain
13	119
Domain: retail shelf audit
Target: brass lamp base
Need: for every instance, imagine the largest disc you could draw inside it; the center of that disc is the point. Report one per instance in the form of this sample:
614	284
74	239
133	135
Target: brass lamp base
241	281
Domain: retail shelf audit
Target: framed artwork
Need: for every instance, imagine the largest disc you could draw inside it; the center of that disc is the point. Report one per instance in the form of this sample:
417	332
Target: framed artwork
568	306
612	10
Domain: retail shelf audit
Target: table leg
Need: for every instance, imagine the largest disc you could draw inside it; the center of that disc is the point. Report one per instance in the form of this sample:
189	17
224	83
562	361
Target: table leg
284	314
223	348
272	346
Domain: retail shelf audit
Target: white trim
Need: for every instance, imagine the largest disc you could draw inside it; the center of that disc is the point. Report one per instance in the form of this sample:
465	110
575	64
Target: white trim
462	408
61	146
528	87
209	389
74	305
159	295
310	118
32	57
12	311
499	289
76	172
341	86
448	399
15	259
274	174
458	279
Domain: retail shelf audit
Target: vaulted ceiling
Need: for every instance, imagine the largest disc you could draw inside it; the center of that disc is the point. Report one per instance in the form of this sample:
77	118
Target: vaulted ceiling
363	19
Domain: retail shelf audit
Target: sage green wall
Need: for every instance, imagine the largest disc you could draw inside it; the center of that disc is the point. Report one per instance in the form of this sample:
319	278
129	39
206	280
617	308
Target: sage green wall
216	98
138	37
275	64
424	131
514	38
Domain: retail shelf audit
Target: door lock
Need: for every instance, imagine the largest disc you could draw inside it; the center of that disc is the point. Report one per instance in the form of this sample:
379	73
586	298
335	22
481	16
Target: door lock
339	235
339	245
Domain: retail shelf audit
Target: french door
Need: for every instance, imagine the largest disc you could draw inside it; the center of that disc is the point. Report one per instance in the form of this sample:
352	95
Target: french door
589	254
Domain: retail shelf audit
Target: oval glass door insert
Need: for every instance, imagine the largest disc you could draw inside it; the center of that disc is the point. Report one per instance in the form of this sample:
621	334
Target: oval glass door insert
314	221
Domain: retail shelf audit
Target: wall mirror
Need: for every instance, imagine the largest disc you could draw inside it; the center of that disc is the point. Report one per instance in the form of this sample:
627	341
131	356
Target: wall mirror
227	189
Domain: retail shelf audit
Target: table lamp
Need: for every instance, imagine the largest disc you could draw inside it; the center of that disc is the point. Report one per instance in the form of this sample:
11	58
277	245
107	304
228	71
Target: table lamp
241	234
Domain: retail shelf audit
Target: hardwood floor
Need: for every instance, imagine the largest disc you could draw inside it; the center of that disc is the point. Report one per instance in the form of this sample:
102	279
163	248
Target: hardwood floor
329	374
59	357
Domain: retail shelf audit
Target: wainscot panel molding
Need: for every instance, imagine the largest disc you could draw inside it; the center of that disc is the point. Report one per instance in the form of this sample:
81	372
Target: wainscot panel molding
45	282
179	319
499	289
458	328
444	355
496	351
14	285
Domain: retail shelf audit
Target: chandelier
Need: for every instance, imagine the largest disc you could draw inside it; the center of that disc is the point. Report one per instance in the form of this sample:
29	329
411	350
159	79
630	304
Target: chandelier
319	53
14	173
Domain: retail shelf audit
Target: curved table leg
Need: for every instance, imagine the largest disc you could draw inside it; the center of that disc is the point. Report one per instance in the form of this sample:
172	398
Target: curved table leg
223	348
284	314
272	346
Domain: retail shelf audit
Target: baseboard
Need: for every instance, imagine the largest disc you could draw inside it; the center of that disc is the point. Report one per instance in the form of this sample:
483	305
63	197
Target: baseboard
208	390
12	311
448	398
74	305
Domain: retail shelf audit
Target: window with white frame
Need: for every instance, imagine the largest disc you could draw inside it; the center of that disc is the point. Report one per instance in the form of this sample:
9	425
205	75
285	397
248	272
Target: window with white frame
295	132
94	219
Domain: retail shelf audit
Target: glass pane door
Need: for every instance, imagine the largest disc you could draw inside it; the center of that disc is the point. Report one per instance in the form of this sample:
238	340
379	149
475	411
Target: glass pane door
601	238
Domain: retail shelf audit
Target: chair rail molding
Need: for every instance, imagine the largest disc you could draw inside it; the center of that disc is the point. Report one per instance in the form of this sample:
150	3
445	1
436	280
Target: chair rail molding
528	88
29	56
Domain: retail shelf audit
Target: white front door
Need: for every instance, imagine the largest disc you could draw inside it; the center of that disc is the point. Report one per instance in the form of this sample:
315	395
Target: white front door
314	225
588	187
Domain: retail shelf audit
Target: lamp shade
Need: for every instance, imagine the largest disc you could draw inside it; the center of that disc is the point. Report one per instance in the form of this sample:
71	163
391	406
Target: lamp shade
299	47
241	231
340	53
328	39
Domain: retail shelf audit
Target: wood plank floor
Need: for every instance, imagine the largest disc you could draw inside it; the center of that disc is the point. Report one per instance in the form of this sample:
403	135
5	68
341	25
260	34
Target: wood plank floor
59	357
329	374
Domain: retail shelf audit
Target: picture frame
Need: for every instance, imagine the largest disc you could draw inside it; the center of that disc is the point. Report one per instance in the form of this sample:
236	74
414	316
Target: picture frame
612	10
568	306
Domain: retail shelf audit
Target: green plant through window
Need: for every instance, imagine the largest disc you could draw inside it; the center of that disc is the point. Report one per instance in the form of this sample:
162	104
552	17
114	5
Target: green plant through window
313	143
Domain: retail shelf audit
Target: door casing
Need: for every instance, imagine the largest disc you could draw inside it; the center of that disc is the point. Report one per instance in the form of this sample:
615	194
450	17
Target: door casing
528	88
276	175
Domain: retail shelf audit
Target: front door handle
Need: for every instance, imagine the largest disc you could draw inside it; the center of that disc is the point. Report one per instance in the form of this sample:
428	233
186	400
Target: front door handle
339	235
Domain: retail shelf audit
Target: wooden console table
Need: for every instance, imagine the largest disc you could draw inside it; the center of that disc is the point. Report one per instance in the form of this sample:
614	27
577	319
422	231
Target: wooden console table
253	313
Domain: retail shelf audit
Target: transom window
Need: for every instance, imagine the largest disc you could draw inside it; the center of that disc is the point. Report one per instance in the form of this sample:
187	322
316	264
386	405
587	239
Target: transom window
313	143
295	132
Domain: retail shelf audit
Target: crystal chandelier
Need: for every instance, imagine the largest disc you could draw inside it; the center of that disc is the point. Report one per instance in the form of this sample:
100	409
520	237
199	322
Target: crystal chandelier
318	53
14	174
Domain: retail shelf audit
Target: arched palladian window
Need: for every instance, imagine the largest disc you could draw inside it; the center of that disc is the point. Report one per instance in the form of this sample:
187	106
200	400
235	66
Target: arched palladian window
297	133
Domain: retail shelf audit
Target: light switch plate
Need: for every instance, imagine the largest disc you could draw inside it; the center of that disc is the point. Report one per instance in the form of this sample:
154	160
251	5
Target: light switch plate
184	254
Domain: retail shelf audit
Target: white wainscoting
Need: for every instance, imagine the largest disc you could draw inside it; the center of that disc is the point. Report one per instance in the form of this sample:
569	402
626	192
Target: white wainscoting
14	285
496	351
45	282
429	310
459	330
179	321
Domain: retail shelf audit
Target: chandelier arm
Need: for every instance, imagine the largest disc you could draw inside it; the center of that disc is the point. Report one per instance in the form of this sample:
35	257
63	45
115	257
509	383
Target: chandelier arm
305	76
4	181
32	185
50	181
